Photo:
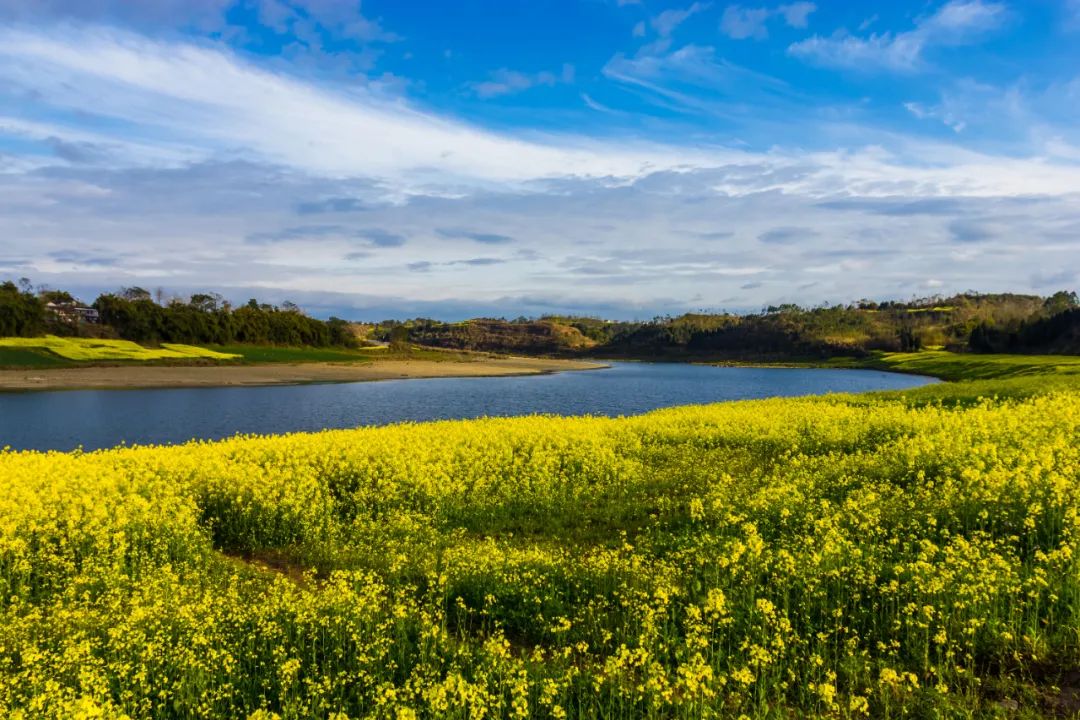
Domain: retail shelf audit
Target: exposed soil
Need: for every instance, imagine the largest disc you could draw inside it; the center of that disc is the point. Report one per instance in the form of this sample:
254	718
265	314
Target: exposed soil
151	376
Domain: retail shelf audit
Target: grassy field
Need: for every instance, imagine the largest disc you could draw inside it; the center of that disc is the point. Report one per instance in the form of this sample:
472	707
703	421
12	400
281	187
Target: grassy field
22	357
906	554
271	354
52	351
969	366
98	350
970	376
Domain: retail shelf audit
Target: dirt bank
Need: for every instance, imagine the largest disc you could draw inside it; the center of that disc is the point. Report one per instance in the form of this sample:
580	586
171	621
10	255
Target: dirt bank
134	376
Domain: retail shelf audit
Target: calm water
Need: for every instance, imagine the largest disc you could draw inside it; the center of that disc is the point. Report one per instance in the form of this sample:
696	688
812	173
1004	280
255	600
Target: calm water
103	418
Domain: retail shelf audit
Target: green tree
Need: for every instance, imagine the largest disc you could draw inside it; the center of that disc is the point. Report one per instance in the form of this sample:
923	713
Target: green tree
399	338
1061	301
22	314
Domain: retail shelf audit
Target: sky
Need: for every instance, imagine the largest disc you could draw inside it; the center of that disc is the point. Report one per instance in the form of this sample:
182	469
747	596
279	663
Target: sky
623	158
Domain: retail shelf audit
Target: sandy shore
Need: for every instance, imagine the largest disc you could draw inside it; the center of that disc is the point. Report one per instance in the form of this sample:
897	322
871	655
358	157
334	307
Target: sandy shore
150	376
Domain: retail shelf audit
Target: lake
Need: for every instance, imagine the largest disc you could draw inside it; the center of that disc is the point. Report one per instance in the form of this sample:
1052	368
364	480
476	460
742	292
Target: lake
93	419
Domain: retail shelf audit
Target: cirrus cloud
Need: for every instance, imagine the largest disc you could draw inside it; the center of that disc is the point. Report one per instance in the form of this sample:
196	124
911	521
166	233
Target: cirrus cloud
958	22
185	164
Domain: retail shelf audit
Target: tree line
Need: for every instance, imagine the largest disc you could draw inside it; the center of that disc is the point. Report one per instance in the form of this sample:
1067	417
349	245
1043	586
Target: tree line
1057	332
969	322
203	319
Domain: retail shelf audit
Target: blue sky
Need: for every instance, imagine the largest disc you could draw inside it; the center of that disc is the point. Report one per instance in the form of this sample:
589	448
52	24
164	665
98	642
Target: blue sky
602	156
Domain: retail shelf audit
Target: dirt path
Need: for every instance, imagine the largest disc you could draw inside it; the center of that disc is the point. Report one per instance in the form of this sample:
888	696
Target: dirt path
133	376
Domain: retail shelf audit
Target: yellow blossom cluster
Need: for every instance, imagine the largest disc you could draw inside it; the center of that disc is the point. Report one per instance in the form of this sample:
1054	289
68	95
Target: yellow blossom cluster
92	349
820	557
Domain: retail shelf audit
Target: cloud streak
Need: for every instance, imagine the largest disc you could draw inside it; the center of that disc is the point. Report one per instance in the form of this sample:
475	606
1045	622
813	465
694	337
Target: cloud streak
205	97
958	22
741	23
172	103
508	82
666	22
183	164
636	249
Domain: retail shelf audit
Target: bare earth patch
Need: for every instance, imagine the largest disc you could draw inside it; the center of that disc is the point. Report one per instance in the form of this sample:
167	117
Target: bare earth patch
276	374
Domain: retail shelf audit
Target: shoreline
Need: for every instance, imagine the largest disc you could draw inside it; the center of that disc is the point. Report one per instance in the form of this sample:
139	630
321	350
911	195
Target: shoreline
261	375
824	364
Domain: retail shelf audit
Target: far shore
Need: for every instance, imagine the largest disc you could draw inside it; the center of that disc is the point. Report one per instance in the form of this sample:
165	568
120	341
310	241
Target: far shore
161	376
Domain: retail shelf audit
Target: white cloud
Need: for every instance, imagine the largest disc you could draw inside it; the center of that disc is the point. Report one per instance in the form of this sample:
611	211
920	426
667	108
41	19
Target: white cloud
1022	117
594	105
665	23
740	23
958	22
693	79
208	102
305	19
200	13
899	52
276	14
935	113
723	235
207	97
343	19
508	82
220	174
113	149
797	14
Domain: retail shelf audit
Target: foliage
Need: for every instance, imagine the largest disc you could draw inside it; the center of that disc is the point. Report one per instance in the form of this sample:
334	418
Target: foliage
1061	301
780	332
89	350
204	320
847	556
597	329
1057	333
134	314
340	333
21	312
520	336
60	297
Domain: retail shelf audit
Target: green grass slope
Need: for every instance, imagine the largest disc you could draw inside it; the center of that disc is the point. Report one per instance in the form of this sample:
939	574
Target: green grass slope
969	366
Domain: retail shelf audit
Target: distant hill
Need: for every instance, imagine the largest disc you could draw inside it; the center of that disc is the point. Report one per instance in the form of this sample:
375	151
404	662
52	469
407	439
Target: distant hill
539	337
970	322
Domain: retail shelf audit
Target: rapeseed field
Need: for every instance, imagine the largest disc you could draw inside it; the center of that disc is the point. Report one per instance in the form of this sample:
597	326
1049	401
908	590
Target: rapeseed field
95	349
837	557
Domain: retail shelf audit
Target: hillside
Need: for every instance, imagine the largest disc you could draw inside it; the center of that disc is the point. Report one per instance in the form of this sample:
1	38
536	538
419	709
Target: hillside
970	322
540	337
